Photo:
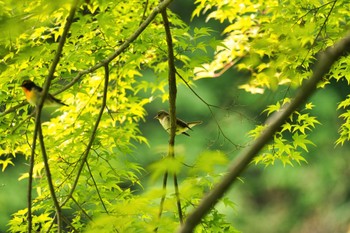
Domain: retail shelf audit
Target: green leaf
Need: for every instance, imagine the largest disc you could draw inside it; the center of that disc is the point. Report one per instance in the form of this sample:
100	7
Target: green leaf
301	141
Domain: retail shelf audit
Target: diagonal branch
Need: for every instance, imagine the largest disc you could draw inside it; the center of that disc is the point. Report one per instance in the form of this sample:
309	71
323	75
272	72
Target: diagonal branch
92	137
161	6
96	187
14	108
49	180
209	106
323	26
325	62
40	105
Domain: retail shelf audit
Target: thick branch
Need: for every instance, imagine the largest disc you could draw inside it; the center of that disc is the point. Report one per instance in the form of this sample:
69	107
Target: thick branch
323	66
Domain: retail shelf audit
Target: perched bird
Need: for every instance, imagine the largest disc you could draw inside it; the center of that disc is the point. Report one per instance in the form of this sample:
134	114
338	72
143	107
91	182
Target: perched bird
34	92
181	126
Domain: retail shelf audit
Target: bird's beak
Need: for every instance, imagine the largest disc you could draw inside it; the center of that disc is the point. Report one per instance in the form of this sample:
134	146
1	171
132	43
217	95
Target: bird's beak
156	117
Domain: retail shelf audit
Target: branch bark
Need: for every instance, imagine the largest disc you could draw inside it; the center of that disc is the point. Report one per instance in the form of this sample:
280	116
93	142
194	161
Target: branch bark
172	112
325	62
49	180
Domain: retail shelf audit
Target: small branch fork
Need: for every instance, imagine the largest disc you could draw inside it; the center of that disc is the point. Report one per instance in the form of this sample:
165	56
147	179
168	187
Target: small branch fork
325	62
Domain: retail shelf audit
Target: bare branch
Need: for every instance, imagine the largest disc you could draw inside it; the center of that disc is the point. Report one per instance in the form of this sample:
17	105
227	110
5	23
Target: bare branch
162	200
326	60
209	106
95	185
49	180
172	110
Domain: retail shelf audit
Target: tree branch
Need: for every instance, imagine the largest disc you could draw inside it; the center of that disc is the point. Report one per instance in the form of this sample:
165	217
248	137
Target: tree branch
93	135
322	27
326	60
122	47
172	110
49	180
111	57
40	105
162	199
97	190
209	106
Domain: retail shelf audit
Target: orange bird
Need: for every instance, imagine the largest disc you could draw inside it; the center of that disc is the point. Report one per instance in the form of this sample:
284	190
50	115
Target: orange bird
34	92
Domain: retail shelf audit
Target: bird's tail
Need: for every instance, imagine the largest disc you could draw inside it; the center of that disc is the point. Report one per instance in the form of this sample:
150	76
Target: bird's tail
194	123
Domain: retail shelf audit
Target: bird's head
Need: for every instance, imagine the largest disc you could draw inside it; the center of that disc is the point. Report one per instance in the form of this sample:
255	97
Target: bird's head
161	114
28	84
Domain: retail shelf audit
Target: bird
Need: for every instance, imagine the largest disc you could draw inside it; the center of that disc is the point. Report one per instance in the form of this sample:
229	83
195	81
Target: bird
34	92
181	126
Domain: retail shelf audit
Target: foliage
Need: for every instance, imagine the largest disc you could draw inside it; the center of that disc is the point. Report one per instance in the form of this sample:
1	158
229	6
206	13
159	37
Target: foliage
291	138
274	43
109	178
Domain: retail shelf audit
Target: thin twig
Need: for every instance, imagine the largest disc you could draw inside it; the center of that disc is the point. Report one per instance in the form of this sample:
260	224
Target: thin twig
172	105
326	60
315	9
227	66
14	108
316	38
178	200
144	11
81	208
209	106
22	122
97	190
320	31
30	182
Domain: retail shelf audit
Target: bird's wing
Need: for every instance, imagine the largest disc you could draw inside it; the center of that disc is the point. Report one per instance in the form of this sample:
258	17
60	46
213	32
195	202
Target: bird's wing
182	124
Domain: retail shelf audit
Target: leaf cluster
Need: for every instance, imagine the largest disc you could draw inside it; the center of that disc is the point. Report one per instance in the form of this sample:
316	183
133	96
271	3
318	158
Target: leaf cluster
275	44
105	195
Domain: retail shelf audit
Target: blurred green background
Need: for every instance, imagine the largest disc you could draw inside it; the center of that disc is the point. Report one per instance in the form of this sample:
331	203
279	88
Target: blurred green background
312	197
